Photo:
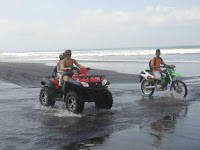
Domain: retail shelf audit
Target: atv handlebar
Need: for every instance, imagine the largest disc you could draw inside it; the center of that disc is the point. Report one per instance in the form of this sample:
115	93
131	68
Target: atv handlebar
91	76
76	68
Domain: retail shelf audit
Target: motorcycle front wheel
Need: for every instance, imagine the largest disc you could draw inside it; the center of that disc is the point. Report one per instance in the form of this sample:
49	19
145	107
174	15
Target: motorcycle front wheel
178	89
146	91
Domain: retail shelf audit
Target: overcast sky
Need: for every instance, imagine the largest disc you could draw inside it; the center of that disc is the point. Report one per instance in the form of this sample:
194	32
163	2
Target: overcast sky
82	24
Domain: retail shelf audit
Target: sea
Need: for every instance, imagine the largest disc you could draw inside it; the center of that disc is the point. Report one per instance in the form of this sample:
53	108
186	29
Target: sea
125	60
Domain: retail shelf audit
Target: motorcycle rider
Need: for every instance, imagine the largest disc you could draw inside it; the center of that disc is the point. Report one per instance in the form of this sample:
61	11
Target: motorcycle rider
155	65
67	65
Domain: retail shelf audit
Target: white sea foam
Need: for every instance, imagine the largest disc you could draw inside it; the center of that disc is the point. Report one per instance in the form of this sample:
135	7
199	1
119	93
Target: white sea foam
97	55
109	52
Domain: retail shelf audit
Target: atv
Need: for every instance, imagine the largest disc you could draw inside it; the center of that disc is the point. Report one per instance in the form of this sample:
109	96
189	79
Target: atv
77	90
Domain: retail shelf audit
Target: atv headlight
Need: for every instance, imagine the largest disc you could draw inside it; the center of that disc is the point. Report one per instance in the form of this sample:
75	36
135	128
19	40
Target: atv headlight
85	84
104	82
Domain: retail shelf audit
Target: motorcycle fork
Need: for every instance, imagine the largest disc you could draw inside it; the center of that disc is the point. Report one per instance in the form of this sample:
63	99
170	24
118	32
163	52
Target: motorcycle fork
171	82
168	80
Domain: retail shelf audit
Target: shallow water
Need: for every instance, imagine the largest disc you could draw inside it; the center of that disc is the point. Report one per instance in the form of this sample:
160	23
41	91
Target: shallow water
134	122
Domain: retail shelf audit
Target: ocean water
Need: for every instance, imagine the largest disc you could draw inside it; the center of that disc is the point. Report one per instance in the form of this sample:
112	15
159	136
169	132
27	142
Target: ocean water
182	54
126	60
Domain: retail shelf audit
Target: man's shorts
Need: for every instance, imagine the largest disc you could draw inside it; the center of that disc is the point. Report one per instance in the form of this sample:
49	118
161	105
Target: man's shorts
69	74
157	75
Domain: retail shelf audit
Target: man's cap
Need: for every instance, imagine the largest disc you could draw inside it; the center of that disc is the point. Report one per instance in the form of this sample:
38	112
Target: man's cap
67	52
158	50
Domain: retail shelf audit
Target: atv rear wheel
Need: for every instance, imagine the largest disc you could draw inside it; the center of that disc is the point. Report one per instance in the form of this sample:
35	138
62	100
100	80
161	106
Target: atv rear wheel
104	101
45	97
74	102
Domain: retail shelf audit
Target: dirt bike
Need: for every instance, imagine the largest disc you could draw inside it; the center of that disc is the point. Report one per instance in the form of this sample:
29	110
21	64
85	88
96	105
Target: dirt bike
149	84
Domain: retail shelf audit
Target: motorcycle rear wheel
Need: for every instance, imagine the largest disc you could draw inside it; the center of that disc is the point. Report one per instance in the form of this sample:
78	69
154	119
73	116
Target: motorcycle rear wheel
146	91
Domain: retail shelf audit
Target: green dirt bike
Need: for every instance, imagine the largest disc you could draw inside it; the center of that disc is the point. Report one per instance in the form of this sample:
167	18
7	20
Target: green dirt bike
149	84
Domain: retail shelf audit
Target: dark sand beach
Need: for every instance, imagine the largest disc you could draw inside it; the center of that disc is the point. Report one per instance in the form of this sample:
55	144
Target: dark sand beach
134	122
31	74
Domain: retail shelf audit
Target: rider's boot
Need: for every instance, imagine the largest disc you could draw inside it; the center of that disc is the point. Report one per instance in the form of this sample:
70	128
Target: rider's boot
159	84
164	86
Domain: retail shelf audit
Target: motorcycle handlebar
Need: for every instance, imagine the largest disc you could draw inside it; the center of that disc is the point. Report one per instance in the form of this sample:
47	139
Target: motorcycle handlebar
162	66
168	66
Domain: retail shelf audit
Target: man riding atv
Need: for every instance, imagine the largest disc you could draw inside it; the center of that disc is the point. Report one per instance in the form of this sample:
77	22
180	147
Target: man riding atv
77	89
67	65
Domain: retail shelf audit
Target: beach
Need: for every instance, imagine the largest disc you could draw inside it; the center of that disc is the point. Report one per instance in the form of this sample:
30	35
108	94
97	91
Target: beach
115	41
134	121
30	74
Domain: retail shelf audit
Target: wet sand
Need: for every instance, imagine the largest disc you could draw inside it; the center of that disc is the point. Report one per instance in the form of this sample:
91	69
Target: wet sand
134	122
31	74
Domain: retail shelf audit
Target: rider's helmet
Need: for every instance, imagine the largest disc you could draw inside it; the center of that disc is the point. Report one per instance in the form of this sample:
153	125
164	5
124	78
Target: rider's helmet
61	56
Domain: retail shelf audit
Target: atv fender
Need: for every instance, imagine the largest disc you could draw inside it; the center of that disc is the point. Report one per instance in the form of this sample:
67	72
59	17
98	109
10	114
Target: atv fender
177	75
47	83
74	82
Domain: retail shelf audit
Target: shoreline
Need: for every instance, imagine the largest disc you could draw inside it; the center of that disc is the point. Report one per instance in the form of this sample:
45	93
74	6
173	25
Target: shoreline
31	74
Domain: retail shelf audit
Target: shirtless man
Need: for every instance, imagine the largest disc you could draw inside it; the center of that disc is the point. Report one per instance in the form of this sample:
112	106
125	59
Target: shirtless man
67	65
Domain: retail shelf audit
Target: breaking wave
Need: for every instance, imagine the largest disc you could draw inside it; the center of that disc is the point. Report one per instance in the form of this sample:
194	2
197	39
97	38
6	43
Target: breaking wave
97	55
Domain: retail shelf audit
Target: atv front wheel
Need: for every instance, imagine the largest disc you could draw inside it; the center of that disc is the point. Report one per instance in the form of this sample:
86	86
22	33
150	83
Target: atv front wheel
74	102
104	101
45	97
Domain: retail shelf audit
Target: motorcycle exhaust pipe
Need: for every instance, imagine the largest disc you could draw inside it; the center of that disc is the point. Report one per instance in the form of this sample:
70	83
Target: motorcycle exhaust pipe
150	87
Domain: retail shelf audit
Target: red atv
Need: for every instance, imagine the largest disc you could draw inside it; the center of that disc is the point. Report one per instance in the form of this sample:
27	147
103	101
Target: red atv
76	91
